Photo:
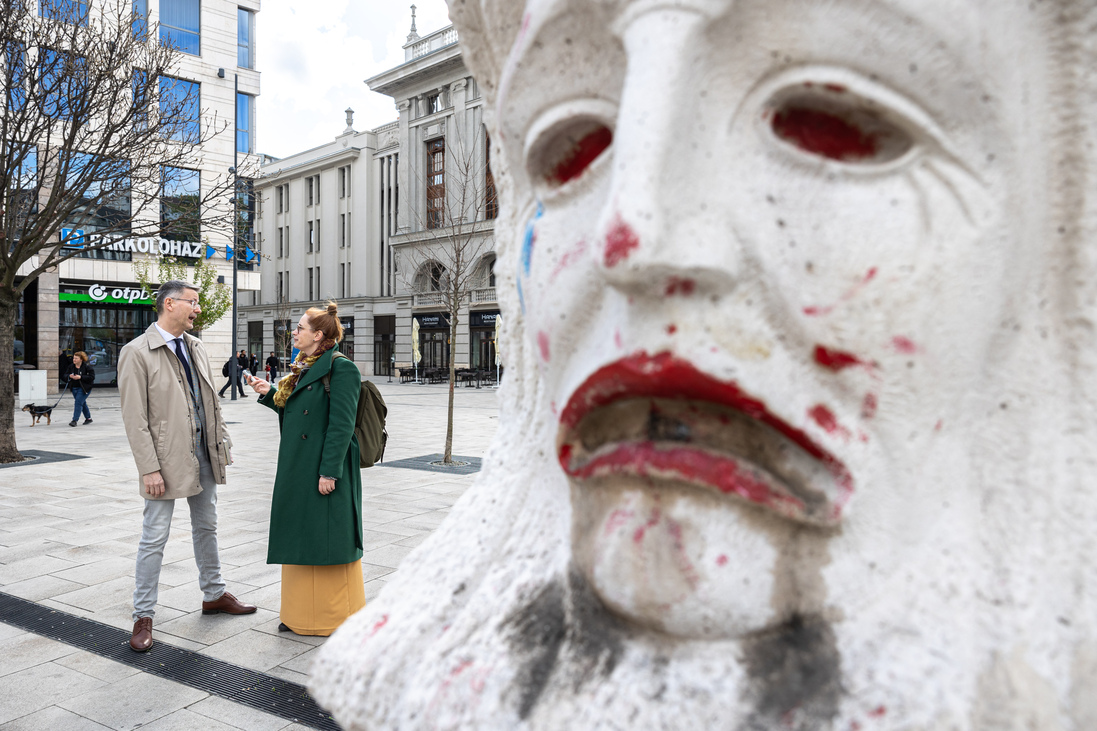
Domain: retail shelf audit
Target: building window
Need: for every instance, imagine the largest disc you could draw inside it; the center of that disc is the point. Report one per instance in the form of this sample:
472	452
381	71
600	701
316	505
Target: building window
281	244
314	190
244	109
140	19
245	30
66	11
180	25
63	80
311	293
344	181
436	183
434	103
312	236
491	197
180	209
180	108
282	191
343	231
105	198
281	290
342	280
317	282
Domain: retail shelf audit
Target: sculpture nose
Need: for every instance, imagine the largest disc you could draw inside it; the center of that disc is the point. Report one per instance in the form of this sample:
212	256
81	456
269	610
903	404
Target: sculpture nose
662	222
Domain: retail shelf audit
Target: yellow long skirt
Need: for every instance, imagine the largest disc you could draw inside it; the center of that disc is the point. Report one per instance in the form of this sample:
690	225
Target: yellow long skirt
317	599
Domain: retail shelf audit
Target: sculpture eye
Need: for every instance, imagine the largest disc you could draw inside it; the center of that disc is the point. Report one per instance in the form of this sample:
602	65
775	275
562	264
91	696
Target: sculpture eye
564	153
829	121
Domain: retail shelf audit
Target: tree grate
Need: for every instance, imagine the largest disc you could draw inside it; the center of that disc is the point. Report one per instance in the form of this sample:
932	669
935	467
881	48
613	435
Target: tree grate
247	687
426	463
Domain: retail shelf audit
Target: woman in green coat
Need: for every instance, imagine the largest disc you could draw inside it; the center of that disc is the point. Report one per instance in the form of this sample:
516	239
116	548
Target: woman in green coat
316	509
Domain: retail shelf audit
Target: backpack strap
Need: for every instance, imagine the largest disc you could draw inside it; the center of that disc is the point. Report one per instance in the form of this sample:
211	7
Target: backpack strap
326	378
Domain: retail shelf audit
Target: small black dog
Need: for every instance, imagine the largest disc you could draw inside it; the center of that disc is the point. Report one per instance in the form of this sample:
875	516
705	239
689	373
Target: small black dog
37	412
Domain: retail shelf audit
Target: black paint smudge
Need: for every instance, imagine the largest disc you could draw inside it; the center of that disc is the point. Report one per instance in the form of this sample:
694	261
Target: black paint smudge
794	676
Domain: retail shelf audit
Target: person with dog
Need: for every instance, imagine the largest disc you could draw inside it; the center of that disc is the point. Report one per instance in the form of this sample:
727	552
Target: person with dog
79	377
316	508
181	446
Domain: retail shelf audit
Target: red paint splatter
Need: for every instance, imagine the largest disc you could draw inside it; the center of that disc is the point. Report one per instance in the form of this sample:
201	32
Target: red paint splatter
676	286
904	345
543	345
825	418
379	624
621	241
854	726
616	520
868	406
553	407
638	536
825	134
663	375
836	88
815	310
938	425
721	560
878	712
617	339
685	566
837	360
581	155
671	329
569	258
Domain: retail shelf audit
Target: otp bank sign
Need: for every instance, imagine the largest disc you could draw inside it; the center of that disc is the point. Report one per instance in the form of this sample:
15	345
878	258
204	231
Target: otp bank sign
99	293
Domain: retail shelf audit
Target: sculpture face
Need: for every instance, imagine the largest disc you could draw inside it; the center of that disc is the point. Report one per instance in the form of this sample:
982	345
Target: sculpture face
764	287
808	290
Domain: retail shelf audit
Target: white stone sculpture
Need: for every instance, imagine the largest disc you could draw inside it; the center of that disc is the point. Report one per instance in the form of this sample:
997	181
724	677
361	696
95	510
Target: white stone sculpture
799	427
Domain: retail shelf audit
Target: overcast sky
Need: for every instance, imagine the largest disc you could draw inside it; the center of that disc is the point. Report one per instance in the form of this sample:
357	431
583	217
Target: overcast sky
314	57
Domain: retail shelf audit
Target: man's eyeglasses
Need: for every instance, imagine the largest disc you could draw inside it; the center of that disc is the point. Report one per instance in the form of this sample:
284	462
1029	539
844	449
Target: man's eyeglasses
192	303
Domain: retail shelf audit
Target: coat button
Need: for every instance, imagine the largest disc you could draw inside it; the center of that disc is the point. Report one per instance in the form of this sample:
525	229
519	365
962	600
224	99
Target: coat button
310	388
304	436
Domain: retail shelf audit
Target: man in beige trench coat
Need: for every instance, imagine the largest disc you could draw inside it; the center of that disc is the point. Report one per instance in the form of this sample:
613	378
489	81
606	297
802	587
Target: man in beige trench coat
178	439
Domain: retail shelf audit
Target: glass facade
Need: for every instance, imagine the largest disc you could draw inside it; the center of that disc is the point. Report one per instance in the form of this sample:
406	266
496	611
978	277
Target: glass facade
180	196
243	123
245	28
180	106
66	11
100	330
181	26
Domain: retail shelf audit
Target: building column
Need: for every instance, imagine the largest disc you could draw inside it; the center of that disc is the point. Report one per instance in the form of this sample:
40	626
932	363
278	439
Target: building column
49	323
403	214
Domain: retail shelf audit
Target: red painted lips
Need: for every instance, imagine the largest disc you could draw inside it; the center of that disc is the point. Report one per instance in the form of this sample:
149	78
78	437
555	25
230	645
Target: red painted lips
658	418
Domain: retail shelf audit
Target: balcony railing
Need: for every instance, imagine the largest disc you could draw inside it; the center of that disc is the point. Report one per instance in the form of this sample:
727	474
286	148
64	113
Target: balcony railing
429	298
480	296
436	40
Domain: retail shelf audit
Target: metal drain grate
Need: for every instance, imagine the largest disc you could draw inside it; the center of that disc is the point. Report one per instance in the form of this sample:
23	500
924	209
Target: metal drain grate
232	682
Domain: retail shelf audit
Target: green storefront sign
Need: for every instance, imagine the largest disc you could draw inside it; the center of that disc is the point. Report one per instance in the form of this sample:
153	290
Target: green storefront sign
98	294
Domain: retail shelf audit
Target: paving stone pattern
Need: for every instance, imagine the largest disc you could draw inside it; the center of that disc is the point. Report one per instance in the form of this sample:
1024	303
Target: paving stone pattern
68	538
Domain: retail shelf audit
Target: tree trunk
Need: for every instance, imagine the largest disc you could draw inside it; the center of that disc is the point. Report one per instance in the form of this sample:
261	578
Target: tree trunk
8	450
448	458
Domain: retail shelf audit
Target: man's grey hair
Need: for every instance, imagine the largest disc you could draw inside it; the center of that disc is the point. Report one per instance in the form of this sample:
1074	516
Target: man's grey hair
172	289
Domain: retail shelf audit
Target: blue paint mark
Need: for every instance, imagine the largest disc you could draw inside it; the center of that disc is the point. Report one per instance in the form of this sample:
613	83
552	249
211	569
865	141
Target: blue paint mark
530	238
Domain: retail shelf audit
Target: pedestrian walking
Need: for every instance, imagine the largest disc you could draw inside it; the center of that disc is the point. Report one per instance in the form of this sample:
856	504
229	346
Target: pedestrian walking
273	366
181	447
79	377
316	507
241	366
253	364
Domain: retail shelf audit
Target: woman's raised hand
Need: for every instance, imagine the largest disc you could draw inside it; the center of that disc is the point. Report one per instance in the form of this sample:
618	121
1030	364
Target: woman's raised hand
258	385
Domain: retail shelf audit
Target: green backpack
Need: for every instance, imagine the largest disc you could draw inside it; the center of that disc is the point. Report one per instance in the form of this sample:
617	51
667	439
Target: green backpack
369	423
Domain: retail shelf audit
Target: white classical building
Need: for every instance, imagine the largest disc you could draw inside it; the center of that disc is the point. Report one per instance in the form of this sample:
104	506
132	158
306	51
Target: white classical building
93	304
371	219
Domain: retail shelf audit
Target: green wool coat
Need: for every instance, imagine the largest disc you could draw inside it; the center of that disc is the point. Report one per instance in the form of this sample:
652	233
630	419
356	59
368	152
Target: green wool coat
308	528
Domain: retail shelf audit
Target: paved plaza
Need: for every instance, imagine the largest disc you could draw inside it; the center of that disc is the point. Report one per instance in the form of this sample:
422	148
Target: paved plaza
68	538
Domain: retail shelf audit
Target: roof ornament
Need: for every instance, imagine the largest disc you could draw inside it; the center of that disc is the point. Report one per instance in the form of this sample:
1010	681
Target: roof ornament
350	122
414	34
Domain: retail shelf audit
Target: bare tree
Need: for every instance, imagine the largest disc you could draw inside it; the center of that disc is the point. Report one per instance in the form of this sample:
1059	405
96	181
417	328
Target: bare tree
99	143
446	263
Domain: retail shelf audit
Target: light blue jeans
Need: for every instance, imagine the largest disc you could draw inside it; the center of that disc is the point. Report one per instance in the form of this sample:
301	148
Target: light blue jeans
154	536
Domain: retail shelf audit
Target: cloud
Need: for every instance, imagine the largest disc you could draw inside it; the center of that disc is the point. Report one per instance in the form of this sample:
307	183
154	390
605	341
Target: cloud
314	59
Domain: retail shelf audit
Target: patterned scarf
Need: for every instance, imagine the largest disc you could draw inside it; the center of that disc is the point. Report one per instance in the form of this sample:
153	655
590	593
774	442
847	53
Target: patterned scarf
298	368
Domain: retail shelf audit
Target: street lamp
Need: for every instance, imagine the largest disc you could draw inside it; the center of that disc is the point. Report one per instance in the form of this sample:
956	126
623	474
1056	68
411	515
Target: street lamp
234	365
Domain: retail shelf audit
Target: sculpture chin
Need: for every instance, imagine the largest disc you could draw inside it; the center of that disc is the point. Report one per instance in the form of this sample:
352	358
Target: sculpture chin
682	561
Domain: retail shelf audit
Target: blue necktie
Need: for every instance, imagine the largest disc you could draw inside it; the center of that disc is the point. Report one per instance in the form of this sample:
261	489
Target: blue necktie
186	366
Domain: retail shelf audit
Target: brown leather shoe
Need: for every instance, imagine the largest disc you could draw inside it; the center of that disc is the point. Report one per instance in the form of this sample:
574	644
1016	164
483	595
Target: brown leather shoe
141	640
228	604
